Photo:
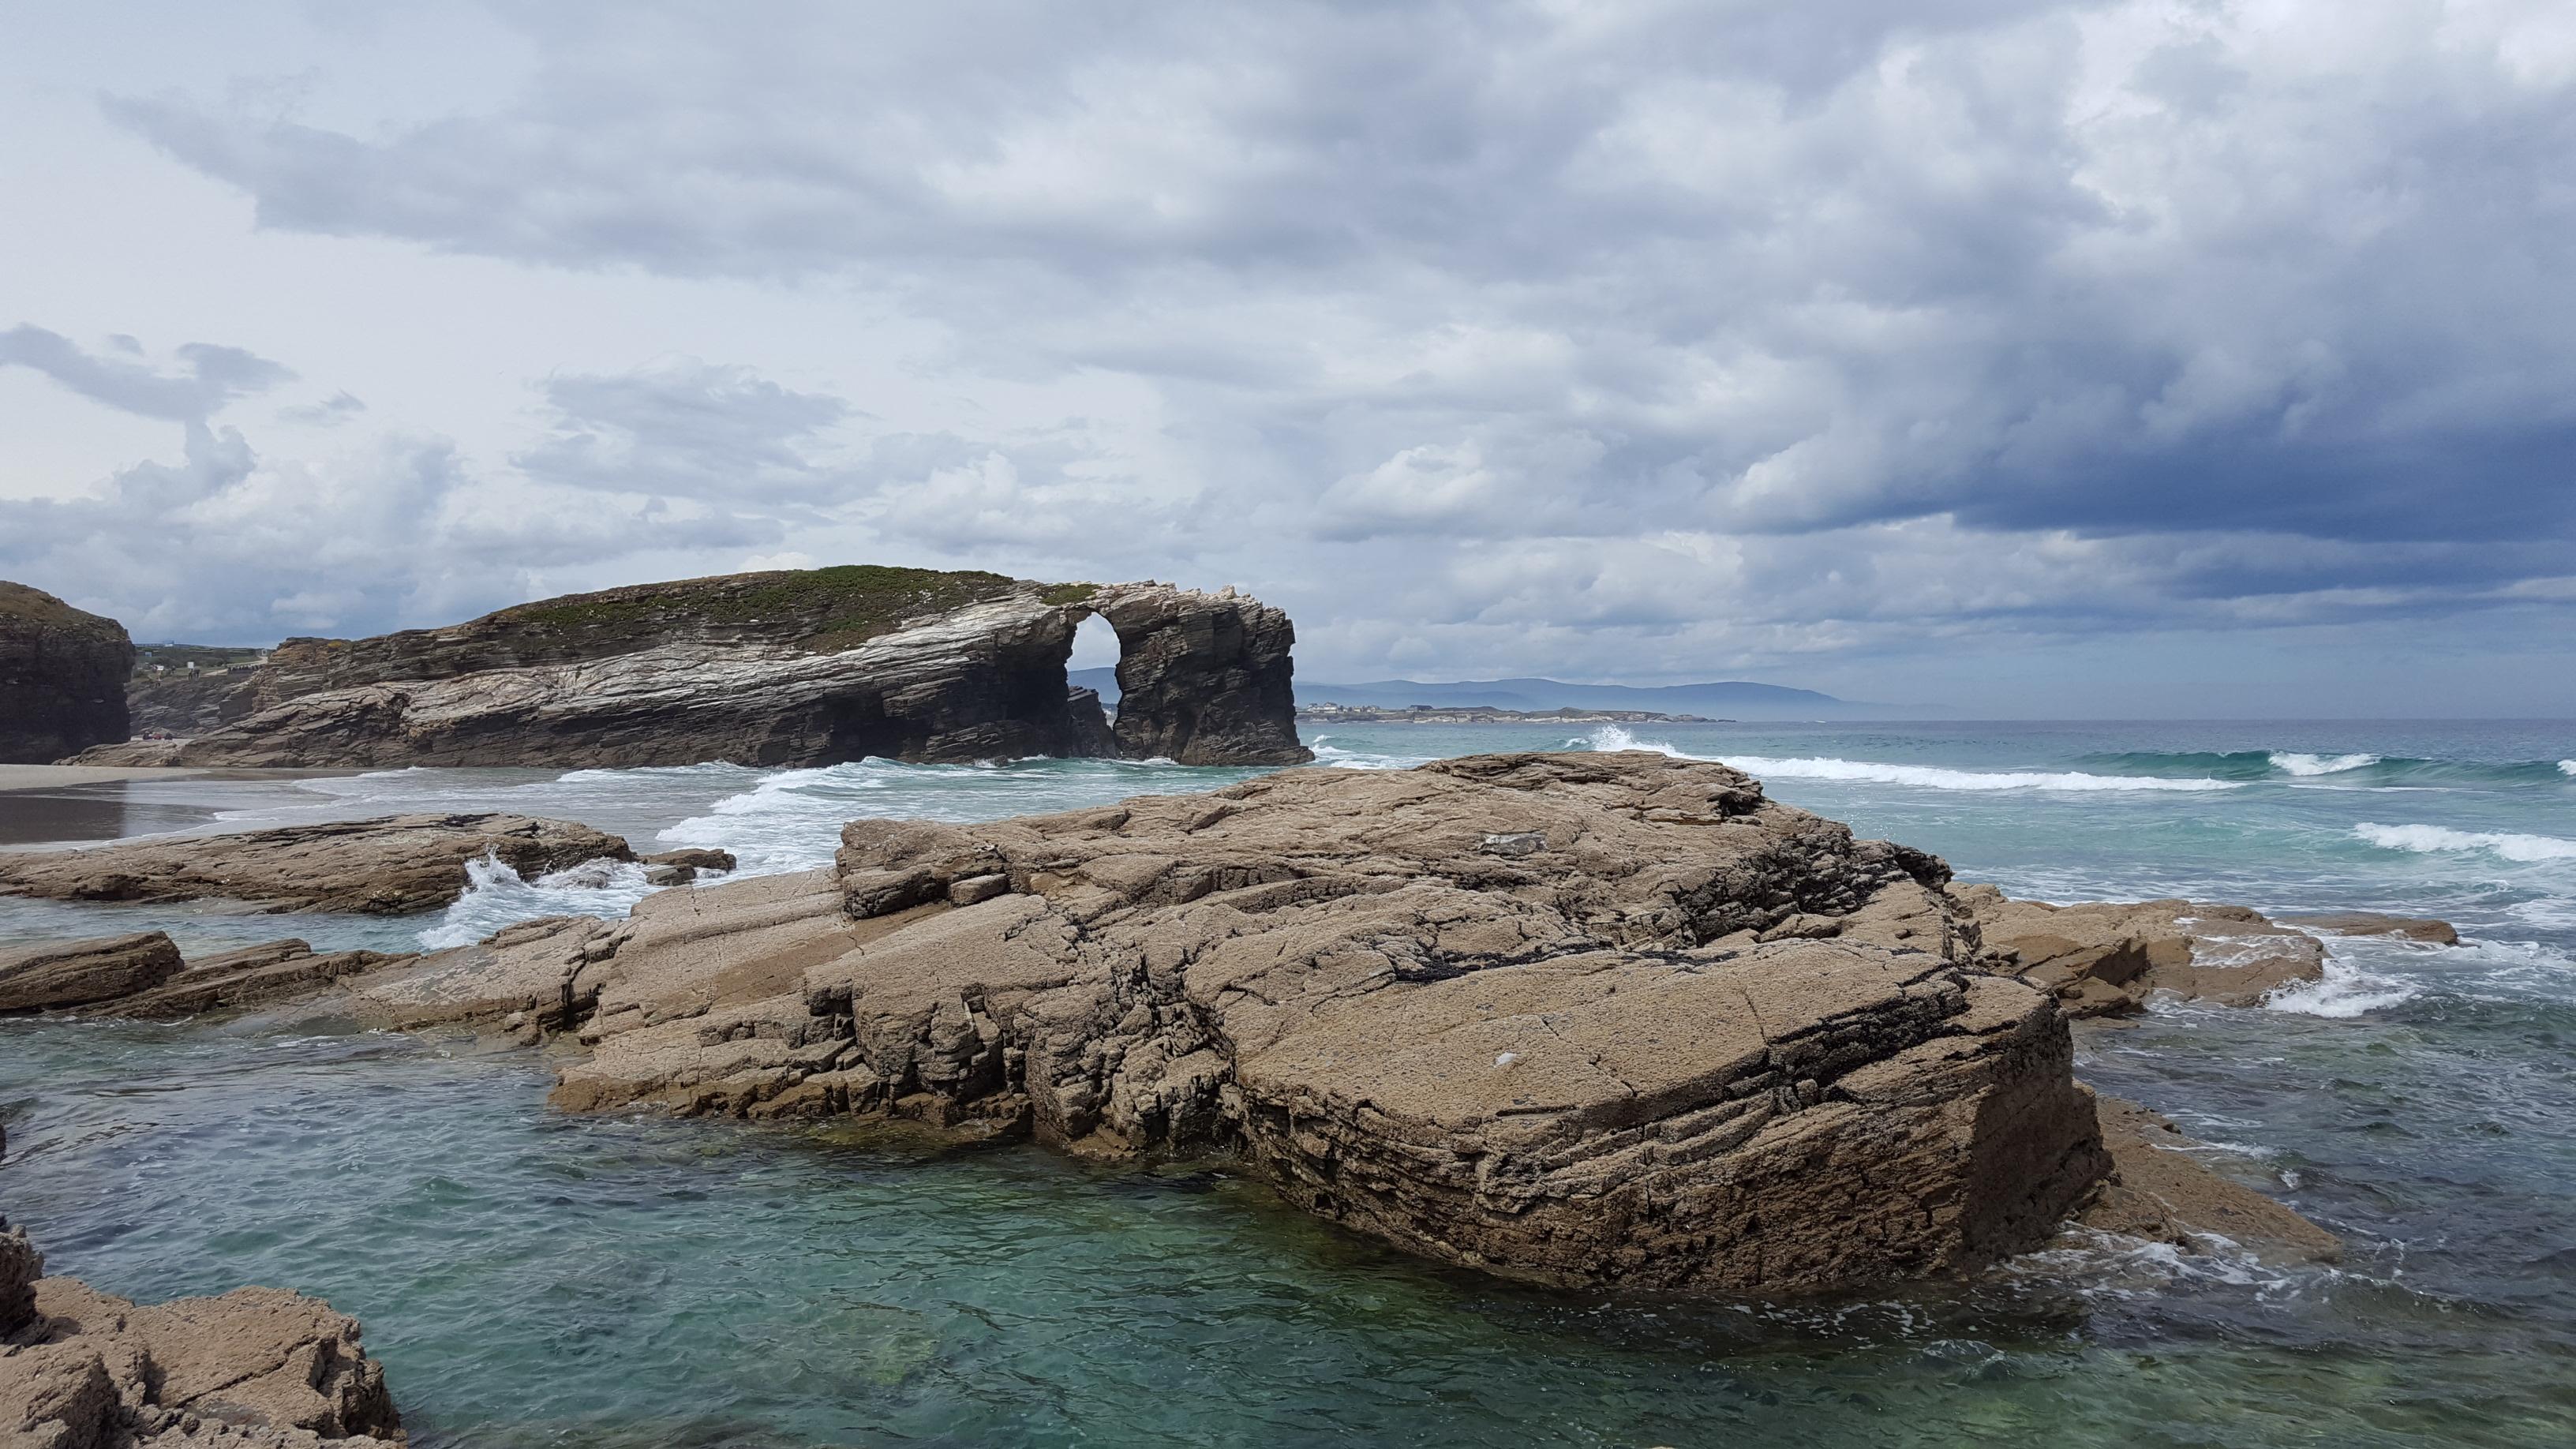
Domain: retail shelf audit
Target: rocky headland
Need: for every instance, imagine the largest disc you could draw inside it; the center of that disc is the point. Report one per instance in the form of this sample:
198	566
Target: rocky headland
256	1368
1597	1020
62	677
799	667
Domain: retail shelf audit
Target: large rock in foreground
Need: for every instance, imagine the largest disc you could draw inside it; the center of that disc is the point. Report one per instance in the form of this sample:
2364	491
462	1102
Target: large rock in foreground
1577	1019
388	867
62	677
257	1368
809	667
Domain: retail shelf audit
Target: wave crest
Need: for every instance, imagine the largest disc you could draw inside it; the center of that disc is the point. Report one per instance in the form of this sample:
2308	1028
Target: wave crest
1927	777
2429	839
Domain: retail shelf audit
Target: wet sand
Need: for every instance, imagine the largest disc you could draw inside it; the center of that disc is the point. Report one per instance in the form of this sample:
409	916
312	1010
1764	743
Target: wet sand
67	804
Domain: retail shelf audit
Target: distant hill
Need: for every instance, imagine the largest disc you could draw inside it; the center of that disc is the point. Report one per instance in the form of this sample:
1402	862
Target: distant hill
1731	699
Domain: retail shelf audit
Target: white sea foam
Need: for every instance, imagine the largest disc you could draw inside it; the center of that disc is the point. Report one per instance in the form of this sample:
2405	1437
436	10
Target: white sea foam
2567	767
496	896
2344	992
2292	763
1928	777
2428	839
1342	759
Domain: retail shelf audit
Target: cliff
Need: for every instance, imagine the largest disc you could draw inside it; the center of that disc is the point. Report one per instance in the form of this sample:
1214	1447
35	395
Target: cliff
807	667
62	677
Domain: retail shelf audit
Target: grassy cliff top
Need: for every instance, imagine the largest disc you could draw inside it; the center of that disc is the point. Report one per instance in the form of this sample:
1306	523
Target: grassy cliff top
20	603
823	609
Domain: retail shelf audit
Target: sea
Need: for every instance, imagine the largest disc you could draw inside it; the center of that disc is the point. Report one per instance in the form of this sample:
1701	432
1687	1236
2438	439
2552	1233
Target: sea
530	1278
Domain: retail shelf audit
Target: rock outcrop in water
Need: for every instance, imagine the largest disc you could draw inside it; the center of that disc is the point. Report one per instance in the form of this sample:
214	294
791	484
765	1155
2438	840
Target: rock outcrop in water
58	974
257	1368
387	867
807	667
1576	1019
2107	959
62	677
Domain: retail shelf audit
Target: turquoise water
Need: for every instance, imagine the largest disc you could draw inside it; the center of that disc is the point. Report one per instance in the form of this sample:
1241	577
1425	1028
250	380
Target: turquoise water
536	1279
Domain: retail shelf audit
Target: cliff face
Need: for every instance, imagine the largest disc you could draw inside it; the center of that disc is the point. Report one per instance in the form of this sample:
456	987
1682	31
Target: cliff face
62	677
787	668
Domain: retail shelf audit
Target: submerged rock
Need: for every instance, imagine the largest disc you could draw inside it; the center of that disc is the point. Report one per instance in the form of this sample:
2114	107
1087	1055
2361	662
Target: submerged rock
809	667
2107	959
390	866
1600	1062
60	974
62	677
257	1368
2160	1191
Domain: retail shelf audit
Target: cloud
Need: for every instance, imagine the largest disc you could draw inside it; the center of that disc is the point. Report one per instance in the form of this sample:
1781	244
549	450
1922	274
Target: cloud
330	412
1635	337
688	429
210	377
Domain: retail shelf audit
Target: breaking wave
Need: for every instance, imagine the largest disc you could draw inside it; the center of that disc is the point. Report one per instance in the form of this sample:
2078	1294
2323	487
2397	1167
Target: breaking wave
496	896
2427	839
2337	768
1928	777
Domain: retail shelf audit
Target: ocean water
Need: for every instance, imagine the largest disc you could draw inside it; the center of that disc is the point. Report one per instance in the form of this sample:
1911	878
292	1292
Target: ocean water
533	1279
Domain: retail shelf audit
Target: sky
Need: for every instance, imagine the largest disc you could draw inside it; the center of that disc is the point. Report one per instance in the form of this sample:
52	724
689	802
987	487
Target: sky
2195	358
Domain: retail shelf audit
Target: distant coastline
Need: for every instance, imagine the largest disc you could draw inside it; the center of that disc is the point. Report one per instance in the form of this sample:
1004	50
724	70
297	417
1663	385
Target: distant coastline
1328	712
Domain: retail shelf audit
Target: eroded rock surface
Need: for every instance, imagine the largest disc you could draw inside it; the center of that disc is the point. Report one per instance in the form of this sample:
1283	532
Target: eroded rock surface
257	1368
395	865
2107	959
59	974
795	667
1690	1038
62	677
2423	930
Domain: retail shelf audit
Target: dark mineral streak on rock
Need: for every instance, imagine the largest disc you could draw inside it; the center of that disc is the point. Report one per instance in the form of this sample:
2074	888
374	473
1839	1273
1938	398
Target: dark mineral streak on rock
788	668
62	677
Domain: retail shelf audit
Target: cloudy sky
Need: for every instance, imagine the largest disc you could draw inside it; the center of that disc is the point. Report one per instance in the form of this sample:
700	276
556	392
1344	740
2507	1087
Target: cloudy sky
2195	357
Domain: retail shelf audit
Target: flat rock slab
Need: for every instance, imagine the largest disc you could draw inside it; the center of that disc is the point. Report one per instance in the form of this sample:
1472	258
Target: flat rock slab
62	974
1679	1037
2161	1190
2421	929
257	1368
386	867
2107	959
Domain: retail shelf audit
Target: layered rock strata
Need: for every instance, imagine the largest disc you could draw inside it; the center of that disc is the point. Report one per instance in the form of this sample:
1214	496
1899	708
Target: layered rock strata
59	974
1578	1019
2108	959
391	866
787	668
62	677
257	1368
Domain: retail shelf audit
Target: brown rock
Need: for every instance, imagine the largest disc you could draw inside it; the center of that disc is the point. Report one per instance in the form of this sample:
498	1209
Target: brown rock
259	1368
250	976
62	677
2423	929
788	667
391	866
2107	959
1574	1065
2161	1191
82	973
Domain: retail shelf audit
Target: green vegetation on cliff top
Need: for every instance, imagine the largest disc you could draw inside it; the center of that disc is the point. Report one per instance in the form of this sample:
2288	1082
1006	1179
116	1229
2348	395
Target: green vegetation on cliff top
828	608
